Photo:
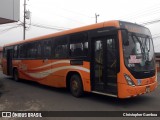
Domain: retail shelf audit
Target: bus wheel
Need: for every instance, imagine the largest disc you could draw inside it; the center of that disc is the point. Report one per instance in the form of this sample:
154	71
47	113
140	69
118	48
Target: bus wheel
15	75
76	86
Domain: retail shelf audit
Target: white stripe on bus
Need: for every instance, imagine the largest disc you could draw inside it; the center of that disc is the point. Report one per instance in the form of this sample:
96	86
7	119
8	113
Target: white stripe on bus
54	63
51	71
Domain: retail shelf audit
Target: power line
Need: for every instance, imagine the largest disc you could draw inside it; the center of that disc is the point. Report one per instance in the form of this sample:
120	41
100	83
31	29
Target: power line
156	34
156	37
70	19
47	27
75	12
139	13
7	25
8	29
151	22
58	27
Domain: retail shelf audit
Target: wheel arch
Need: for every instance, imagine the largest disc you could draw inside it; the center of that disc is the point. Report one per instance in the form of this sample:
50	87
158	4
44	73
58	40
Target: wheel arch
68	76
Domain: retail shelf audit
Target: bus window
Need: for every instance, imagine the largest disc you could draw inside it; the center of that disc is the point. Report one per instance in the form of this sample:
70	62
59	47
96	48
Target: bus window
47	49
22	51
31	50
78	45
39	50
98	60
15	51
76	49
61	48
111	56
4	53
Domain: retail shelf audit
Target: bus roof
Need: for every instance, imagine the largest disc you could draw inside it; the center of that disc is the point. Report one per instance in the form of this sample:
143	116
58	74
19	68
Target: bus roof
84	28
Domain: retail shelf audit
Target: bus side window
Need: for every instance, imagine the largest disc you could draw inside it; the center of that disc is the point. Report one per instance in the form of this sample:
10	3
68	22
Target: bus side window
78	45
39	50
15	51
47	49
31	50
22	51
61	47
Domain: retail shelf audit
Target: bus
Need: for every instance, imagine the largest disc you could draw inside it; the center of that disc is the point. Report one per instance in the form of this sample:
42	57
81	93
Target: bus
113	58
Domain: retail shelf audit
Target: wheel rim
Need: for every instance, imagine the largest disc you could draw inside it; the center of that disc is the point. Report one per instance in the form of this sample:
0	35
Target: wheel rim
74	85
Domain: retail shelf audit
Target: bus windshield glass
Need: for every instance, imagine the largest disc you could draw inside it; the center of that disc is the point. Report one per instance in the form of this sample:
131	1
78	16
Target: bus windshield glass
139	53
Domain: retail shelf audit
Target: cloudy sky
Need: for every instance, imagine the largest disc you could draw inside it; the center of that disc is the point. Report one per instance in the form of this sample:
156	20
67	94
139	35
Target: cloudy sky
48	16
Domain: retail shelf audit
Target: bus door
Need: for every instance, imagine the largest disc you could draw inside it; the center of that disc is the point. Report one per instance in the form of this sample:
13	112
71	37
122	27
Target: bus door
104	64
9	61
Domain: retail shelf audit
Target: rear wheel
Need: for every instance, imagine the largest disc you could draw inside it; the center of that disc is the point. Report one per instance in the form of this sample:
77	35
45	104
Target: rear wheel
15	75
76	86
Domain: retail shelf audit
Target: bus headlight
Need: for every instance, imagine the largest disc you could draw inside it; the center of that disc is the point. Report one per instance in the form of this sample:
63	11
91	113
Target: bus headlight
129	80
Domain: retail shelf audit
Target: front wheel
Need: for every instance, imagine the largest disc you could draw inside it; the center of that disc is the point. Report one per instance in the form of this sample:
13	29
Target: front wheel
76	86
15	75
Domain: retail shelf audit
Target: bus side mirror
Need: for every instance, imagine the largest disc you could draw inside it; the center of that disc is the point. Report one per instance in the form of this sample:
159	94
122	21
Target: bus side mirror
125	38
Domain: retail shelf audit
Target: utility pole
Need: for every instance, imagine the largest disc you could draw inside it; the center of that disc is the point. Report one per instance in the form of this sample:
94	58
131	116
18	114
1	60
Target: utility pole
24	24
96	16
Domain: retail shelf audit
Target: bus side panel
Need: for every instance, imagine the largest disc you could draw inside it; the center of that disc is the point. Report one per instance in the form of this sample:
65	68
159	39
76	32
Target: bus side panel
56	74
59	72
86	81
33	69
86	77
4	66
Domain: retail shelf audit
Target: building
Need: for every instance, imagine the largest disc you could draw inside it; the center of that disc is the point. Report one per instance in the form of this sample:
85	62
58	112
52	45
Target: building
157	55
9	11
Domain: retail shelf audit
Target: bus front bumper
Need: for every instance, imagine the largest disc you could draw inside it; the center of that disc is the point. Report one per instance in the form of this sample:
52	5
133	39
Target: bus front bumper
126	91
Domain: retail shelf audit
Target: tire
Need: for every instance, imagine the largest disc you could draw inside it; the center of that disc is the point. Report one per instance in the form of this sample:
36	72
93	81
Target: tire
15	75
76	86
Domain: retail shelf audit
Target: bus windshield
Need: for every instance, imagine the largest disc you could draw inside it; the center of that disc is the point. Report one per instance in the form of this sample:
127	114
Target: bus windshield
139	53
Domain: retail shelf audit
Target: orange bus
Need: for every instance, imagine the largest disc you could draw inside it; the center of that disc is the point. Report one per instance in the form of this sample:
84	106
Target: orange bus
113	58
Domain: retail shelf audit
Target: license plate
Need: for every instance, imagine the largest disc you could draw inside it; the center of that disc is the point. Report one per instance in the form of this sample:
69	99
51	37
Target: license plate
147	89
